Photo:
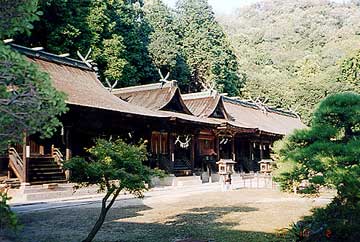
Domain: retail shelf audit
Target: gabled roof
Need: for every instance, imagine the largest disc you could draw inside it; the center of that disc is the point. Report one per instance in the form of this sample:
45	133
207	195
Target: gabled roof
82	87
268	119
206	104
157	96
80	83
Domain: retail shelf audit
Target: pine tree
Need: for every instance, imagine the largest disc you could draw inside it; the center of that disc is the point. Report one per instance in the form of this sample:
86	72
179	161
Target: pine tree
208	55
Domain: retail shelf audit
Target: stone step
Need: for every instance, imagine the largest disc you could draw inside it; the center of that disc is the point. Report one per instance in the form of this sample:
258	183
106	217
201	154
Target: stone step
41	182
44	169
54	191
48	179
46	172
187	181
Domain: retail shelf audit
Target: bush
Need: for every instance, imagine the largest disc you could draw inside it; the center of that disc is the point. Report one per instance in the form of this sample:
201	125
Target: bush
336	222
8	218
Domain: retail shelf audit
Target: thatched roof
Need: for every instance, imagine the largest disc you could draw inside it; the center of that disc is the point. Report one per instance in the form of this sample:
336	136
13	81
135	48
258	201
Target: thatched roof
82	87
206	104
80	83
264	119
242	114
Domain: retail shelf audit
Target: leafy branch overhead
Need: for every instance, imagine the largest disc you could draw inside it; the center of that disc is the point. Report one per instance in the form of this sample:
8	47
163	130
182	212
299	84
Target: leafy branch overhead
28	100
17	17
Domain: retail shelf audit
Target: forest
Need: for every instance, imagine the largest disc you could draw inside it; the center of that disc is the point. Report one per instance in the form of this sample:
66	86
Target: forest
295	52
288	54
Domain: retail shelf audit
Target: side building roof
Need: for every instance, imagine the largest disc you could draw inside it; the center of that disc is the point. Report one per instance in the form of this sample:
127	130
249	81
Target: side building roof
165	98
206	104
265	119
156	96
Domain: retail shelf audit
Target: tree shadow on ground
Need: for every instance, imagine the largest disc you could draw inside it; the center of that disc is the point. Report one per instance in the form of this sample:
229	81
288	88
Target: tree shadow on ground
73	224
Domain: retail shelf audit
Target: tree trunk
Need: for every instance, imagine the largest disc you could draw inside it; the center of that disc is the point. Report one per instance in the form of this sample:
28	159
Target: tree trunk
101	219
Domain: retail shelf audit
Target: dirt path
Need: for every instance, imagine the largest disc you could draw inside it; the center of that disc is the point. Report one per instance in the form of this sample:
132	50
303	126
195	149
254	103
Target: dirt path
242	215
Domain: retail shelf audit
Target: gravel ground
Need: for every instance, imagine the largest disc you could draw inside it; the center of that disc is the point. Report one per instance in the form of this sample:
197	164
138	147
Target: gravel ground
235	216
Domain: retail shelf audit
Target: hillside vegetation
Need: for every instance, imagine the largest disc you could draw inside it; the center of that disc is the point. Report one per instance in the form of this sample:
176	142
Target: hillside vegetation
291	51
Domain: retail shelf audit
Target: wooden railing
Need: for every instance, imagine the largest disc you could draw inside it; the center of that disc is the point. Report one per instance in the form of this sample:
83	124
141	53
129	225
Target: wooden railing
58	156
17	164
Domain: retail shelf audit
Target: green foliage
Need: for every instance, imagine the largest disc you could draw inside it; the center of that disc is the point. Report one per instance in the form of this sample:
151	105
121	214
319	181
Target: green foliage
113	166
207	53
8	218
109	161
130	40
350	72
28	101
124	21
336	222
61	28
291	50
17	16
327	154
115	30
164	42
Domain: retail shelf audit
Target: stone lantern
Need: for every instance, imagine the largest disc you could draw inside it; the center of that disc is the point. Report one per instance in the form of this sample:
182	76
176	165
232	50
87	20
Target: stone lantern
226	169
266	166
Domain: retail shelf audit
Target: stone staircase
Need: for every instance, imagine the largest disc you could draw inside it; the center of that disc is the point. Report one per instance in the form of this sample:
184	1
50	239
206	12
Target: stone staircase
182	168
44	170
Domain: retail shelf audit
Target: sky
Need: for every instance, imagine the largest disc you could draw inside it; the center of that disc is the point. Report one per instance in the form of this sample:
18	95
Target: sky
226	6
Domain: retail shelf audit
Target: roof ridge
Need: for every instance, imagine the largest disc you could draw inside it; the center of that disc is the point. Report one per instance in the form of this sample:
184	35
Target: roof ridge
146	87
253	105
47	56
197	95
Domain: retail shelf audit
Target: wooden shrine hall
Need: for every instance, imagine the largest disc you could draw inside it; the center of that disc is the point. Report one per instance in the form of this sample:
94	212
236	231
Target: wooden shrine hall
187	133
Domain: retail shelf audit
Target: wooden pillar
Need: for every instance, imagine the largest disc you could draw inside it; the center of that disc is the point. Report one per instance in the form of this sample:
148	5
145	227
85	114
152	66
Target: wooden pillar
217	147
192	153
261	150
233	148
26	156
252	155
68	151
171	151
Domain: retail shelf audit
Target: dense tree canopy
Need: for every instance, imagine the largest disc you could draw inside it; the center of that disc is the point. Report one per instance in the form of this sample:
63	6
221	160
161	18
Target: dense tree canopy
130	40
350	72
17	16
28	102
164	45
291	50
207	52
114	29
